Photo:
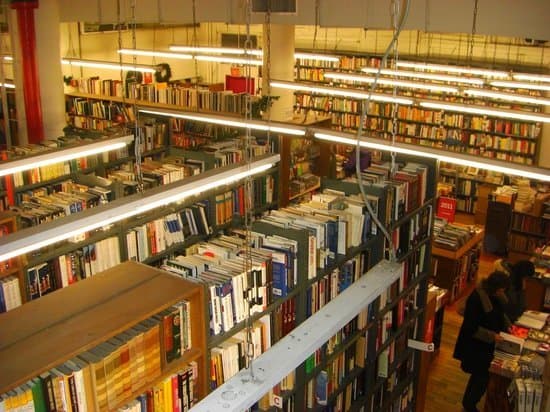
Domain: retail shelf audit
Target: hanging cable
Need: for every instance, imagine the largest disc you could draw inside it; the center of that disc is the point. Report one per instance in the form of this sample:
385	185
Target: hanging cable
194	43
473	34
267	70
364	118
247	261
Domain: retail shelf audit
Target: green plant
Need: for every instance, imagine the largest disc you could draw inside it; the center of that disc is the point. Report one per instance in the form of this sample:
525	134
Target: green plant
260	105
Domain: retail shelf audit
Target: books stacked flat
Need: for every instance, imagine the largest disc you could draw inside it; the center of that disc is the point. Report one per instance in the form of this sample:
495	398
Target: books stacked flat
533	319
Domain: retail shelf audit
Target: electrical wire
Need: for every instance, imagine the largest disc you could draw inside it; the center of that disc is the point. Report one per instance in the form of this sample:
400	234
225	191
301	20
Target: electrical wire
364	113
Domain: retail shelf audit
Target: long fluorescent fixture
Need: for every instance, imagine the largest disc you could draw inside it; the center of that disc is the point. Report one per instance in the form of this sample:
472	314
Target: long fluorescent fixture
229	60
36	237
428	76
254	52
484	110
463	159
8	58
391	82
520	85
107	65
531	77
153	53
241	391
270	126
217	50
508	96
452	69
343	92
62	155
8	85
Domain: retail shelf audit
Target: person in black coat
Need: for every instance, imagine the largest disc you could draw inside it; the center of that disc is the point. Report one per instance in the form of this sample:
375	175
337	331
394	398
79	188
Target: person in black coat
515	293
484	318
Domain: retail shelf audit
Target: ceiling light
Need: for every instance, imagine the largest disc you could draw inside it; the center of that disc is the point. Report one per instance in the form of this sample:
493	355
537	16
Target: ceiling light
484	110
521	85
452	69
343	92
531	77
463	159
63	155
107	65
508	96
152	53
36	237
230	60
8	85
421	75
391	82
271	126
217	50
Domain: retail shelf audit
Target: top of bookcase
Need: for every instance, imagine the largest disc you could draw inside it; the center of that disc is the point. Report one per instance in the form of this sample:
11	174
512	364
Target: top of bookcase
46	332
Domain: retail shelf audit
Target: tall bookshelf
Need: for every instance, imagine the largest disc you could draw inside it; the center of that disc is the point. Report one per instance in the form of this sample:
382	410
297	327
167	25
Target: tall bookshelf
508	140
118	303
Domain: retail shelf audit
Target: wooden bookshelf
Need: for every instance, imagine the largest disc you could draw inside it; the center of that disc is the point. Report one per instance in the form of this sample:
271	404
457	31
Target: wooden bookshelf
457	254
13	266
47	332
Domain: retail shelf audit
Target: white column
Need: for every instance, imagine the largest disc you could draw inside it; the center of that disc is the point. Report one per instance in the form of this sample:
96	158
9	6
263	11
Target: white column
21	138
48	56
281	67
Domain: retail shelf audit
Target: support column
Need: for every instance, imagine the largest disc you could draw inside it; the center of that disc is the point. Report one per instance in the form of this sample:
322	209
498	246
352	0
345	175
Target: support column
50	74
281	39
31	89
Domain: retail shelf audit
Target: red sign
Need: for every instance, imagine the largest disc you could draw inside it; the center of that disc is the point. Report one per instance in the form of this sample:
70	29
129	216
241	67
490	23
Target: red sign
446	208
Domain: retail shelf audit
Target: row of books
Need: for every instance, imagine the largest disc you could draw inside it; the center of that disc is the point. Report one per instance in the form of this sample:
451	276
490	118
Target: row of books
175	393
103	377
91	123
450	236
230	356
10	294
69	268
233	289
152	134
190	97
100	109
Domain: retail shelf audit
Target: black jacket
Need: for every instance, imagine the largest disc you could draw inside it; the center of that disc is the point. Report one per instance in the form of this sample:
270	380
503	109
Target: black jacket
483	318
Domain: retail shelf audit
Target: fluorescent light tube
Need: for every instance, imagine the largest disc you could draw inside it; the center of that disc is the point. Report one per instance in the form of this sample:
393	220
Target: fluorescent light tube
241	391
452	69
521	85
62	155
531	77
316	56
153	53
391	82
254	52
229	60
8	58
36	237
108	65
463	159
216	50
508	96
271	126
484	110
343	92
421	75
8	85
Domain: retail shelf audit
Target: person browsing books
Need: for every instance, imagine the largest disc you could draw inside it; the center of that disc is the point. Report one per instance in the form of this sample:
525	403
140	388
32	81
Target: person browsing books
484	318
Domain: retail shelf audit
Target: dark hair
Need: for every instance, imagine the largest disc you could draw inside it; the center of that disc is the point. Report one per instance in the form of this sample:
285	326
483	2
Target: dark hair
496	280
520	270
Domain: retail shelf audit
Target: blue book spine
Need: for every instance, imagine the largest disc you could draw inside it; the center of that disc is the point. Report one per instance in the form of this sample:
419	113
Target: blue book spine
279	279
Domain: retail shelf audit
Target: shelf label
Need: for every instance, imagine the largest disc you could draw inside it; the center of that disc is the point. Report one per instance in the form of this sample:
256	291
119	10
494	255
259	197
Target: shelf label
423	346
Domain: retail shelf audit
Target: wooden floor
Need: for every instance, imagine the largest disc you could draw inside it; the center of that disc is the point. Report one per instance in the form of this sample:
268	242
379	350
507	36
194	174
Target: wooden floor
446	381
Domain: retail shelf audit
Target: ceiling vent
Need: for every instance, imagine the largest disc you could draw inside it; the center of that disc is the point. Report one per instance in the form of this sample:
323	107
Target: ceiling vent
275	6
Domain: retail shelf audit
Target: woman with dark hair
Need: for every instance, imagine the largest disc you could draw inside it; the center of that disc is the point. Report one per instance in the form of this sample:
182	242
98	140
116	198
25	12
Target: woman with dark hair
484	318
515	294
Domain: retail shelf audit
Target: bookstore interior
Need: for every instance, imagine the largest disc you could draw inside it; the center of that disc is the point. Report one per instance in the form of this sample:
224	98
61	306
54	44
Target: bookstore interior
273	205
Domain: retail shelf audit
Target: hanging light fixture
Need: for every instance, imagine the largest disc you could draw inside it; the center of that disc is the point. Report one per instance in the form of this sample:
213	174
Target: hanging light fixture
453	69
153	53
520	85
531	77
96	64
342	92
511	97
391	82
428	76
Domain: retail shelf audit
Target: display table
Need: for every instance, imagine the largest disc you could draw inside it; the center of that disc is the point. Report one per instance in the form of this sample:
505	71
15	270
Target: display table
496	399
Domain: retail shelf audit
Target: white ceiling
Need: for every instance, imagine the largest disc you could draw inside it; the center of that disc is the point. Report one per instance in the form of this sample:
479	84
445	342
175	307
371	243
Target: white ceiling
513	18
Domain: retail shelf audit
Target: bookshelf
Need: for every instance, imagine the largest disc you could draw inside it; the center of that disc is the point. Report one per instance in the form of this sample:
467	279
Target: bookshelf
73	321
457	269
508	140
12	283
